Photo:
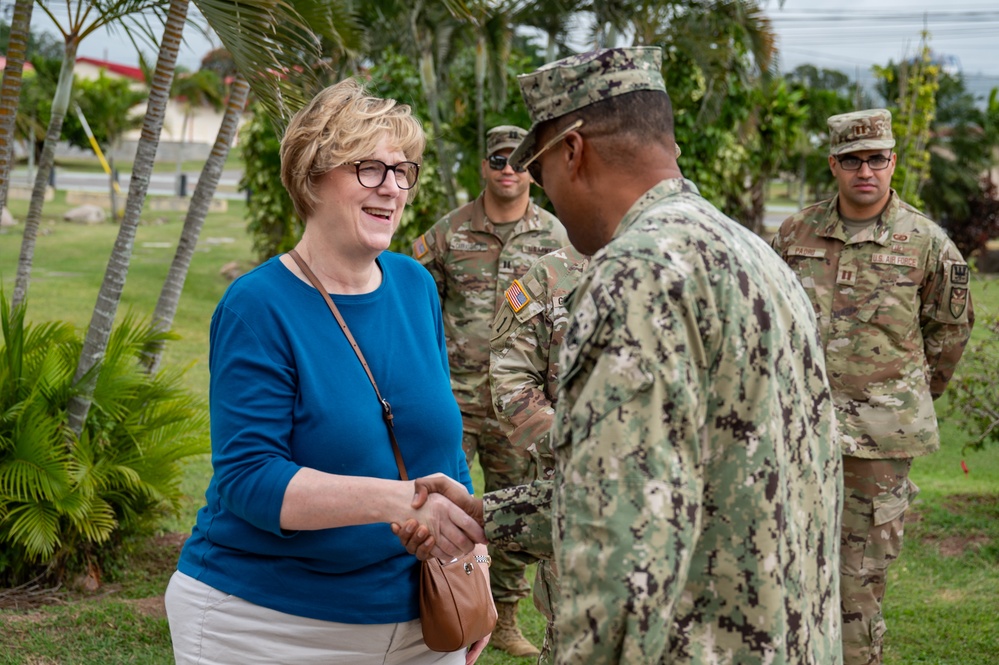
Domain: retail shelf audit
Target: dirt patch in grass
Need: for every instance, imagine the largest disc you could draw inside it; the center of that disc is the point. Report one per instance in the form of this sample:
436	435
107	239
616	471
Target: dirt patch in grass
958	525
149	607
157	555
958	545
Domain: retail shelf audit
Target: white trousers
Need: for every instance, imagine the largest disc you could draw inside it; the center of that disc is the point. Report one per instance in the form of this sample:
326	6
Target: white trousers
209	627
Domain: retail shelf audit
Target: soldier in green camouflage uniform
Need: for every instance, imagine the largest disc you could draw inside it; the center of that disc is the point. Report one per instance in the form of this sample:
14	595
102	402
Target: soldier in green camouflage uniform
890	291
474	253
696	497
523	377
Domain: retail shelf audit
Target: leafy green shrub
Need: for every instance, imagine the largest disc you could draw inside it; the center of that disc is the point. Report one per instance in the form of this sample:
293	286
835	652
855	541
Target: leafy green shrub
66	505
973	391
272	224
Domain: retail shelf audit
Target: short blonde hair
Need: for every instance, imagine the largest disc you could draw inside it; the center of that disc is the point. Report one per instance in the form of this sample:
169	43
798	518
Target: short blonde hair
342	124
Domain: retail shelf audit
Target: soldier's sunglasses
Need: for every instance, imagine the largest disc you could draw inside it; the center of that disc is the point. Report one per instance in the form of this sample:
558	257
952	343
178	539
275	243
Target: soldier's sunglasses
499	162
533	166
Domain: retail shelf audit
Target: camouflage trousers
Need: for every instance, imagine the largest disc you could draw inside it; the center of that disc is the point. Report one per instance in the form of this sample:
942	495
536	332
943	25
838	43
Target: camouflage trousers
877	493
546	590
502	466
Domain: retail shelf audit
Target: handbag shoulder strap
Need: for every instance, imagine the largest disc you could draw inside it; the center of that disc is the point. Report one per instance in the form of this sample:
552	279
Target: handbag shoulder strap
386	407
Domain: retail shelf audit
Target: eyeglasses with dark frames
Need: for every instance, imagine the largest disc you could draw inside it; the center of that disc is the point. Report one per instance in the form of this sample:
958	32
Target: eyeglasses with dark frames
499	162
371	173
853	163
533	166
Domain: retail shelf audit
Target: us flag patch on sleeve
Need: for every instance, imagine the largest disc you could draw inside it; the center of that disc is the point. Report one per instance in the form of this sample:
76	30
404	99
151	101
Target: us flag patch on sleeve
516	296
420	247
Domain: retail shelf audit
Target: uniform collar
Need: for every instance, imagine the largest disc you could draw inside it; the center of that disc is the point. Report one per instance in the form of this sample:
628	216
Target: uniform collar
531	221
659	191
880	232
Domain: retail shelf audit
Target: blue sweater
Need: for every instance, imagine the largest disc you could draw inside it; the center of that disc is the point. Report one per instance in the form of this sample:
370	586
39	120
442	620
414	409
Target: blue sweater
288	392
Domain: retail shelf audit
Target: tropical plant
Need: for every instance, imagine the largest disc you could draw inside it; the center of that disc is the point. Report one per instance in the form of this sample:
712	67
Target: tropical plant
715	55
911	87
777	121
959	193
35	105
824	93
64	509
973	389
271	219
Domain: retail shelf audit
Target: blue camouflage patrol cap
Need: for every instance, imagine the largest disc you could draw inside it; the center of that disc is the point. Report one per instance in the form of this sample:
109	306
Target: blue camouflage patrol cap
566	85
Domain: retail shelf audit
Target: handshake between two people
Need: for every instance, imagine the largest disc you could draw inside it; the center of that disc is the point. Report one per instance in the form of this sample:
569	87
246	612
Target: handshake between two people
456	523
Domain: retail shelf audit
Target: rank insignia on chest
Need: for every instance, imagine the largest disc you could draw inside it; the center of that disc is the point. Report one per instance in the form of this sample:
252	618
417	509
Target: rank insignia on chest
516	296
959	274
958	301
420	247
846	277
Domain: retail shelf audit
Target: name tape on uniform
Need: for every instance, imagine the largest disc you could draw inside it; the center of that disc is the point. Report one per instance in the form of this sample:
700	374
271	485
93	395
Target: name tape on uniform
895	260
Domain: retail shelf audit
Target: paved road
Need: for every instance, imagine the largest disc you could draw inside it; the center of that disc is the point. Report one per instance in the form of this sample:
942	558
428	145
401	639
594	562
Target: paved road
161	184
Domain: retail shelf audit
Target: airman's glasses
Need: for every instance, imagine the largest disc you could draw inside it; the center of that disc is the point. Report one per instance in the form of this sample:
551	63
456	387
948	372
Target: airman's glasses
853	163
371	173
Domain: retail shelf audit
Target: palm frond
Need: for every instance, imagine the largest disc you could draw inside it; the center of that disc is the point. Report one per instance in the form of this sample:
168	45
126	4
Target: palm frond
33	526
274	47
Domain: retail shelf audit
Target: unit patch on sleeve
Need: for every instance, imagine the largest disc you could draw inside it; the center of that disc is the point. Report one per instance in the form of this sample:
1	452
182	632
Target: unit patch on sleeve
516	296
959	273
958	301
420	247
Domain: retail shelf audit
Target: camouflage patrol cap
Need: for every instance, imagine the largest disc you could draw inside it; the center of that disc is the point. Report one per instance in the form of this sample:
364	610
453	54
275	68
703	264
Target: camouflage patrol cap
504	136
860	130
566	85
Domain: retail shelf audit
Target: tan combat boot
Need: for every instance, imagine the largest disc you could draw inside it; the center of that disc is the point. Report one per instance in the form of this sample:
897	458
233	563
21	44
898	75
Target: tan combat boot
506	636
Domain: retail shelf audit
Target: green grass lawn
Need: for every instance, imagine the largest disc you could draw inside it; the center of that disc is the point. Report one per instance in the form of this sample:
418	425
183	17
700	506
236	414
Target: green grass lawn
942	603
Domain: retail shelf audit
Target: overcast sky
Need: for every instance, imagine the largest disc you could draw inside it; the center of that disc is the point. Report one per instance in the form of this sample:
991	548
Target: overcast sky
849	35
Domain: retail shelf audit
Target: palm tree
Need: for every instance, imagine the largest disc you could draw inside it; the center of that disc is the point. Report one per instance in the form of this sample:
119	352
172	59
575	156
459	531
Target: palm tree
166	306
17	49
276	47
493	28
202	88
554	18
82	20
431	28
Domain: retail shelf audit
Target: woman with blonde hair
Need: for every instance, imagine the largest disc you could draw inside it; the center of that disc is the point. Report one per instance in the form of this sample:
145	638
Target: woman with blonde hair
292	559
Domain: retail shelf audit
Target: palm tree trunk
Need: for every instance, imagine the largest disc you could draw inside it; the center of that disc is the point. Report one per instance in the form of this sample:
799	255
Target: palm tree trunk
109	297
480	85
60	104
166	306
17	48
428	78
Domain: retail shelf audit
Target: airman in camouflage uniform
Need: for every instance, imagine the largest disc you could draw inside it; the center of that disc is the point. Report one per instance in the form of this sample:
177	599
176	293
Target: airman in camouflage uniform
523	377
474	253
890	291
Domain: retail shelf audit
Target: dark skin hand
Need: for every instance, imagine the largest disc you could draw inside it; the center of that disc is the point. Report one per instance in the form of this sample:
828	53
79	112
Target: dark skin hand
419	542
415	537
